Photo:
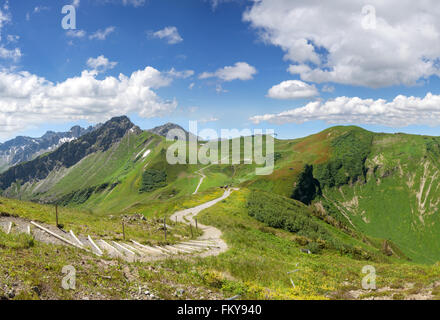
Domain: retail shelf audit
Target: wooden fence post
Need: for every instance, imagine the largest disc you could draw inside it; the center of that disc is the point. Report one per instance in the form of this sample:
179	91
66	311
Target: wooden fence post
123	230
56	215
165	227
190	227
197	228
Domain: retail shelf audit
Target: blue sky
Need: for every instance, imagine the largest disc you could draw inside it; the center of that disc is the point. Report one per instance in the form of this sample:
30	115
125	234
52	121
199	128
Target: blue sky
243	48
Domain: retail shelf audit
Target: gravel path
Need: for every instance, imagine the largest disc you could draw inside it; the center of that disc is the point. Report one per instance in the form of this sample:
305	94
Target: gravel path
209	244
209	233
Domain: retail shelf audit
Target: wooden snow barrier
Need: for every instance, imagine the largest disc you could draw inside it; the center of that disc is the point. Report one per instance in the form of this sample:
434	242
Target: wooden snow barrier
76	239
57	236
148	248
100	253
8	231
136	250
123	248
112	249
198	244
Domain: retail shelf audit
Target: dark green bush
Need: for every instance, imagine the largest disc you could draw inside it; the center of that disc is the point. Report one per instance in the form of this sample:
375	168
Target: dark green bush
153	179
279	212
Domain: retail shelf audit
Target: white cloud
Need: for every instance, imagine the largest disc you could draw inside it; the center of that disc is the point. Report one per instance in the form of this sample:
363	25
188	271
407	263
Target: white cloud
5	17
328	88
191	85
76	33
28	100
401	112
239	71
170	34
101	64
102	34
216	3
210	119
326	41
219	89
134	3
292	89
39	9
12	38
13	54
5	53
181	74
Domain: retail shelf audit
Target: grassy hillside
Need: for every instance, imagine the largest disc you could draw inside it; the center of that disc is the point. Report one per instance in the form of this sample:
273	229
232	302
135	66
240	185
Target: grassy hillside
258	264
382	185
261	257
399	197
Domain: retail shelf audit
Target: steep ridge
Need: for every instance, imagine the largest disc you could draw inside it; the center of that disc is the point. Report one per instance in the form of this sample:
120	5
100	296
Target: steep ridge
167	127
68	154
21	149
384	185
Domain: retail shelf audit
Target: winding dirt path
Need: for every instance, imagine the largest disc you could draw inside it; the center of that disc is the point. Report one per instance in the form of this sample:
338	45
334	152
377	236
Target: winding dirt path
209	244
209	233
200	173
201	180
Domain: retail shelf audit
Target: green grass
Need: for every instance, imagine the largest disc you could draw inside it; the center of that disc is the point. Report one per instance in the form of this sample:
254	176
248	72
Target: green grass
98	224
375	187
259	258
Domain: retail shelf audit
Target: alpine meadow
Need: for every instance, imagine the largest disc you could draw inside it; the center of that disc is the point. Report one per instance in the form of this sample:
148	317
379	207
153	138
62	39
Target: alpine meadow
240	151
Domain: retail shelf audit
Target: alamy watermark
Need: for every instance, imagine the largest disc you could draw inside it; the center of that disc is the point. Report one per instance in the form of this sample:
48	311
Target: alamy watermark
369	281
236	147
69	281
69	20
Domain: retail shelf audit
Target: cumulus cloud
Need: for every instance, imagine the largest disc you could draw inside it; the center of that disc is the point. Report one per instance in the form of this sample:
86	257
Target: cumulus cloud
328	41
239	71
28	100
102	34
170	34
101	64
400	112
292	89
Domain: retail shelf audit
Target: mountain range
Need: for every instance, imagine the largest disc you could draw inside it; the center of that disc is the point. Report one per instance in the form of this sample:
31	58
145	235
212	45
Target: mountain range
384	186
21	149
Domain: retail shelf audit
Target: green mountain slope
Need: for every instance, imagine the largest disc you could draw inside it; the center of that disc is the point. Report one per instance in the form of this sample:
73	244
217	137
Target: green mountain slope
384	185
398	196
367	199
381	185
